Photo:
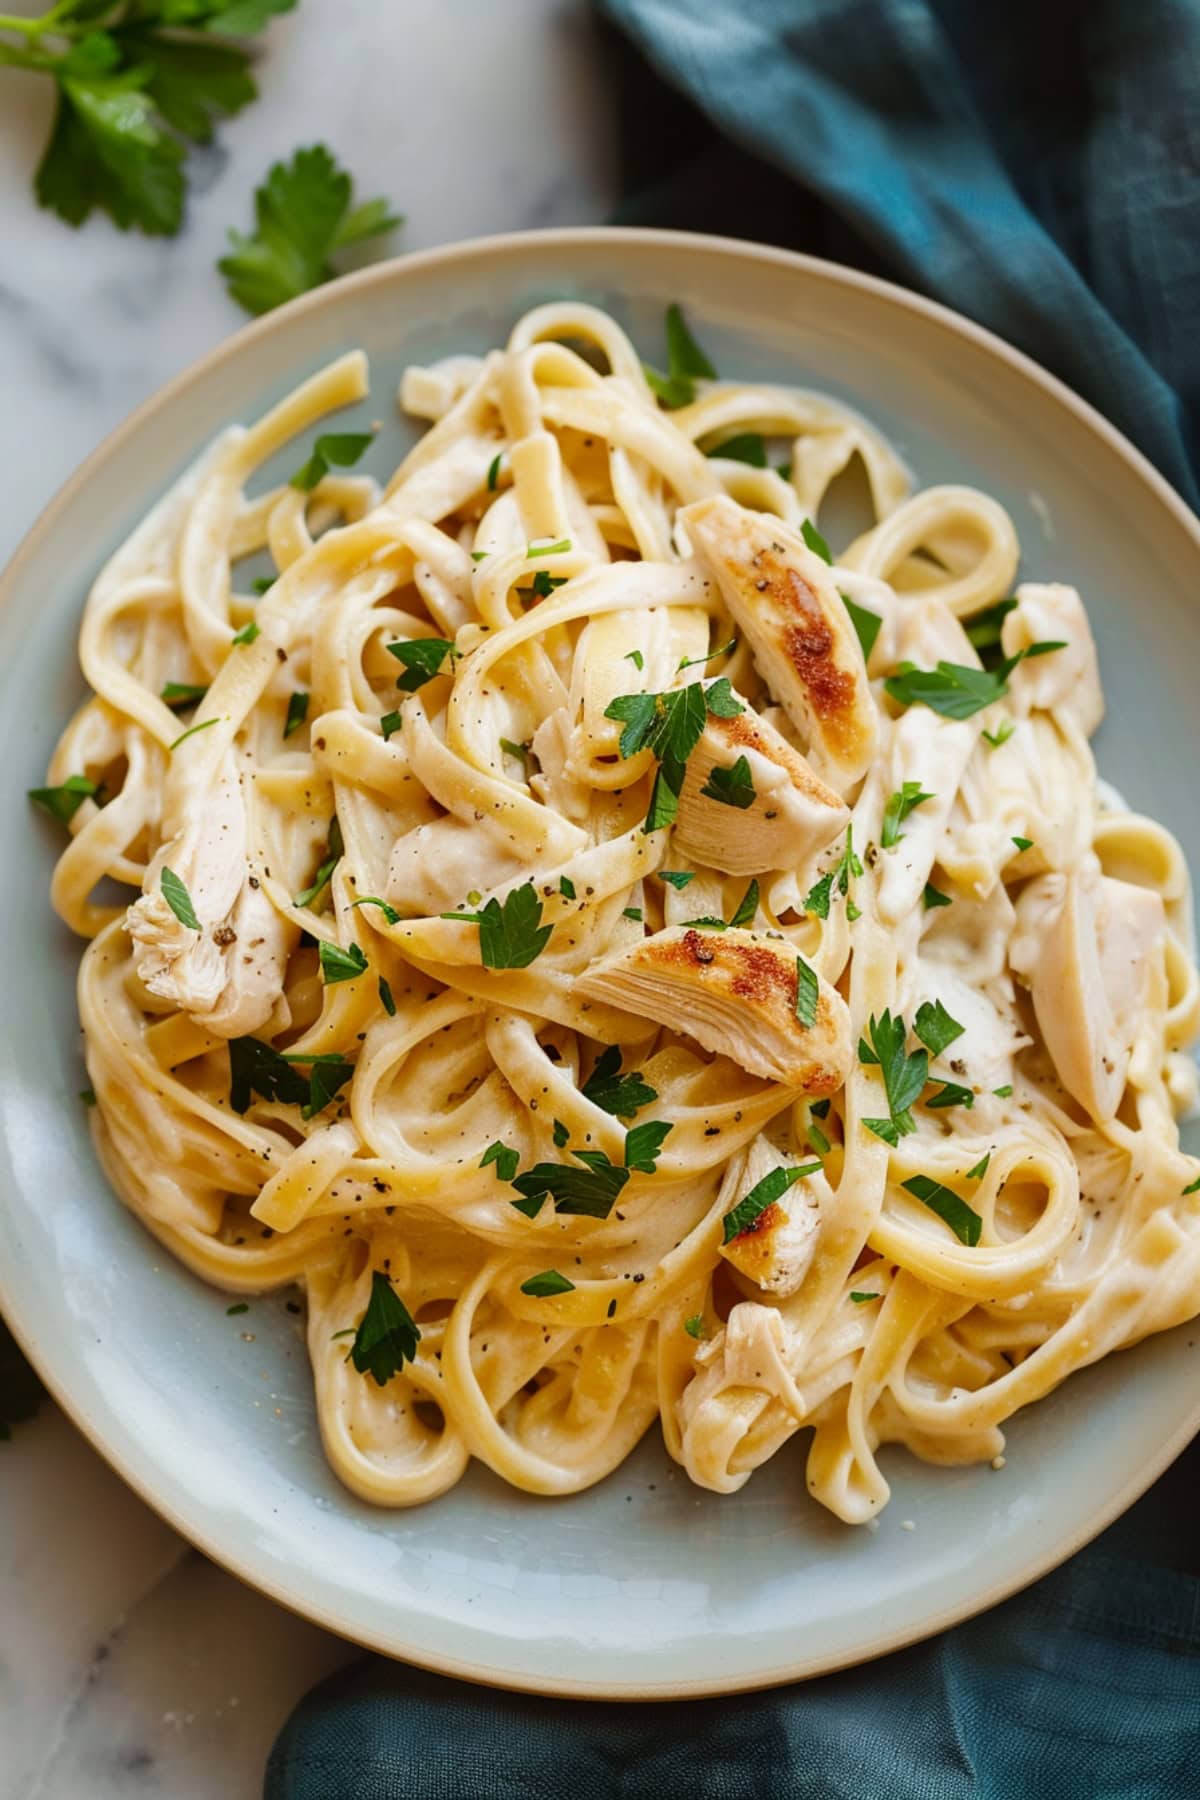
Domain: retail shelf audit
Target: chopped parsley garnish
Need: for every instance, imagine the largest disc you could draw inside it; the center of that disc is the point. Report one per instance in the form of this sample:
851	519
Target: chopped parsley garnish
904	801
983	628
636	658
620	1095
388	1336
232	1312
817	1140
422	659
981	1167
764	1193
696	662
1001	734
247	634
669	725
808	991
1003	1093
955	690
847	867
520	751
685	362
389	912
303	215
262	584
176	692
561	1135
1193	1187
64	801
390	722
962	1219
952	1093
815	541
935	1027
506	1159
340	965
547	1284
746	447
934	897
88	1096
333	449
544	583
386	999
643	1145
493	474
747	908
860	1299
1023	843
866	624
178	899
334	852
695	1326
678	878
191	732
258	1068
634	913
732	787
591	1190
566	887
511	933
297	712
904	1075
559	549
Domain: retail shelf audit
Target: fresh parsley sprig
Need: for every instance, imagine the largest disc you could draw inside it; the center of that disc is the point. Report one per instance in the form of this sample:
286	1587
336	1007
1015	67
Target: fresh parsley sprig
135	81
905	800
686	362
591	1190
955	690
332	449
422	659
670	725
511	933
848	866
904	1074
750	1208
258	1068
962	1219
64	801
546	1285
733	786
304	216
622	1095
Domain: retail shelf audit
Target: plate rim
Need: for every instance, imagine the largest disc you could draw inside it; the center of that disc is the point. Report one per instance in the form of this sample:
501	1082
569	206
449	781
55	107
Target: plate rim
195	1531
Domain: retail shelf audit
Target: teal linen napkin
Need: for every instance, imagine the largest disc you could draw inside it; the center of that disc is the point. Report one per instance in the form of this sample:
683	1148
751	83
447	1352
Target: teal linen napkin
1086	1687
1037	166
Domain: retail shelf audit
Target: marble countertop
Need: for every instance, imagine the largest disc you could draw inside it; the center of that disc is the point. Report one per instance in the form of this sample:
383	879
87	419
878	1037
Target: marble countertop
129	1665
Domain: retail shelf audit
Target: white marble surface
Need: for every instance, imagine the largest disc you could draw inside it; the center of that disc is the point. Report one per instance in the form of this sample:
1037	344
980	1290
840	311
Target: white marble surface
128	1664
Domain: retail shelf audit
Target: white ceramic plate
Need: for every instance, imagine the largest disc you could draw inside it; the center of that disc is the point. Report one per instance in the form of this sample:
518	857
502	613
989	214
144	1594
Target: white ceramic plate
644	1587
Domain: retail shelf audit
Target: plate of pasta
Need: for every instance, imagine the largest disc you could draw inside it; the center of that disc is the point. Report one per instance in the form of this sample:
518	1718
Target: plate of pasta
626	1137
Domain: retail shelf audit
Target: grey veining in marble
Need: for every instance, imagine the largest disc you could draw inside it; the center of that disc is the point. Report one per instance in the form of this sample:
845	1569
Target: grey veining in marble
128	1664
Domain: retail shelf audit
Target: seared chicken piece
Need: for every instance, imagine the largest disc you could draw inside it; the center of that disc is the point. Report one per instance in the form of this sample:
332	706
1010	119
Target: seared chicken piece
1064	682
778	1248
792	814
229	972
1086	946
735	993
784	599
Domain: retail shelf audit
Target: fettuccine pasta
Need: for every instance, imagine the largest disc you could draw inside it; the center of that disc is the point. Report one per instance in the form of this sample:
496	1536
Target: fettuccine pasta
620	963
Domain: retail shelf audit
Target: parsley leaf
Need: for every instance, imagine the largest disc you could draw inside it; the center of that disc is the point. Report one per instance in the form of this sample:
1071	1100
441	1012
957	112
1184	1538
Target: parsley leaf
934	897
643	1145
388	1336
860	1299
669	725
678	878
953	689
732	787
332	449
178	899
980	1169
175	692
1001	734
64	801
255	1067
588	1192
1023	843
334	852
815	541
422	659
505	1158
819	895
493	474
303	216
247	634
620	1095
747	447
340	965
685	361
566	887
386	998
952	1093
389	912
511	933
636	658
808	990
750	1208
297	712
390	723
935	1027
866	624
962	1219
904	1075
904	801
983	628
547	1284
747	908
695	1326
561	1135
